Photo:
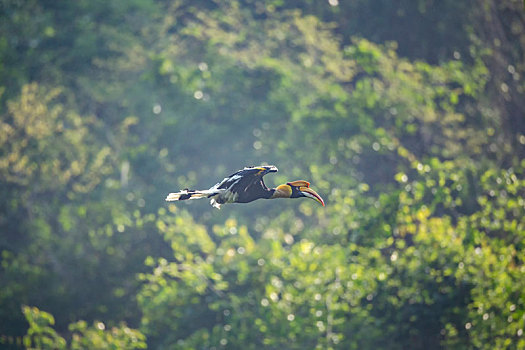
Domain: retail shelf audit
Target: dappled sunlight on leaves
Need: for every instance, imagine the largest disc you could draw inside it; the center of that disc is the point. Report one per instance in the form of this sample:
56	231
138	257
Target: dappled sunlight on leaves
406	117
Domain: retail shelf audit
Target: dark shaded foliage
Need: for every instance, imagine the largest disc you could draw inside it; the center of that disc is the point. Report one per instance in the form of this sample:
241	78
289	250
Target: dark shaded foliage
406	117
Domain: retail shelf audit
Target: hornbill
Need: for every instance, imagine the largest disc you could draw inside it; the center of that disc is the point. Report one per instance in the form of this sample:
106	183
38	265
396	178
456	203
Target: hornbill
247	185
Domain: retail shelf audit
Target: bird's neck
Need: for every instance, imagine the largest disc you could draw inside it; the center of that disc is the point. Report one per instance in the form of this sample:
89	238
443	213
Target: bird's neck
281	191
270	194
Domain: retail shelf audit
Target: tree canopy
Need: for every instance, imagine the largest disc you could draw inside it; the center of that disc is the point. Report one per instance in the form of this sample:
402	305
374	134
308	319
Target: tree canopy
407	117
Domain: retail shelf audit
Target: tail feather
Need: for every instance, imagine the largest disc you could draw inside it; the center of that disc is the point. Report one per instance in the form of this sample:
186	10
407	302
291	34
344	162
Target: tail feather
189	194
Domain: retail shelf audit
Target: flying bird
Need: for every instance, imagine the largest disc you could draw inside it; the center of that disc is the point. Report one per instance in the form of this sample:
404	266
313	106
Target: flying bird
247	185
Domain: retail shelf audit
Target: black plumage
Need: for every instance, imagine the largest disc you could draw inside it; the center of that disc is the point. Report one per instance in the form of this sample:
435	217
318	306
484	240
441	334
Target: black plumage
247	185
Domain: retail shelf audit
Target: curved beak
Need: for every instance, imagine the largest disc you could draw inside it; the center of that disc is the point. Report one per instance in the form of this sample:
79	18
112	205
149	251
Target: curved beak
308	192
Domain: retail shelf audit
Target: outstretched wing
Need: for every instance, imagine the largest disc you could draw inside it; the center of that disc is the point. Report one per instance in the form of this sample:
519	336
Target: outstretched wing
244	186
241	180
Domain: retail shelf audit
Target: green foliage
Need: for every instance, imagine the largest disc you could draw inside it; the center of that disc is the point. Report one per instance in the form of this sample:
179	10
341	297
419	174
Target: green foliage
405	116
43	145
97	337
41	335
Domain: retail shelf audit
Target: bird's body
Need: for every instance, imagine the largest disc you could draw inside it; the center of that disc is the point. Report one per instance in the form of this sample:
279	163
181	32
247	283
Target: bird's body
245	186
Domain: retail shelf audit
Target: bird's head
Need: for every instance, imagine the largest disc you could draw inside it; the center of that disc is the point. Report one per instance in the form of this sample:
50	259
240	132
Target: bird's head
297	189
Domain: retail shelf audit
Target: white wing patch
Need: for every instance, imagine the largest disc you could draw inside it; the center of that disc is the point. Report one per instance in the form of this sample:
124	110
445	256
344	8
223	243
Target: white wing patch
231	181
224	195
214	203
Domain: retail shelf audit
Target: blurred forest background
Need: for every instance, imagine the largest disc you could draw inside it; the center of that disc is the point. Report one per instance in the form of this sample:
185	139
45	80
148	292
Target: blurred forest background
407	116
